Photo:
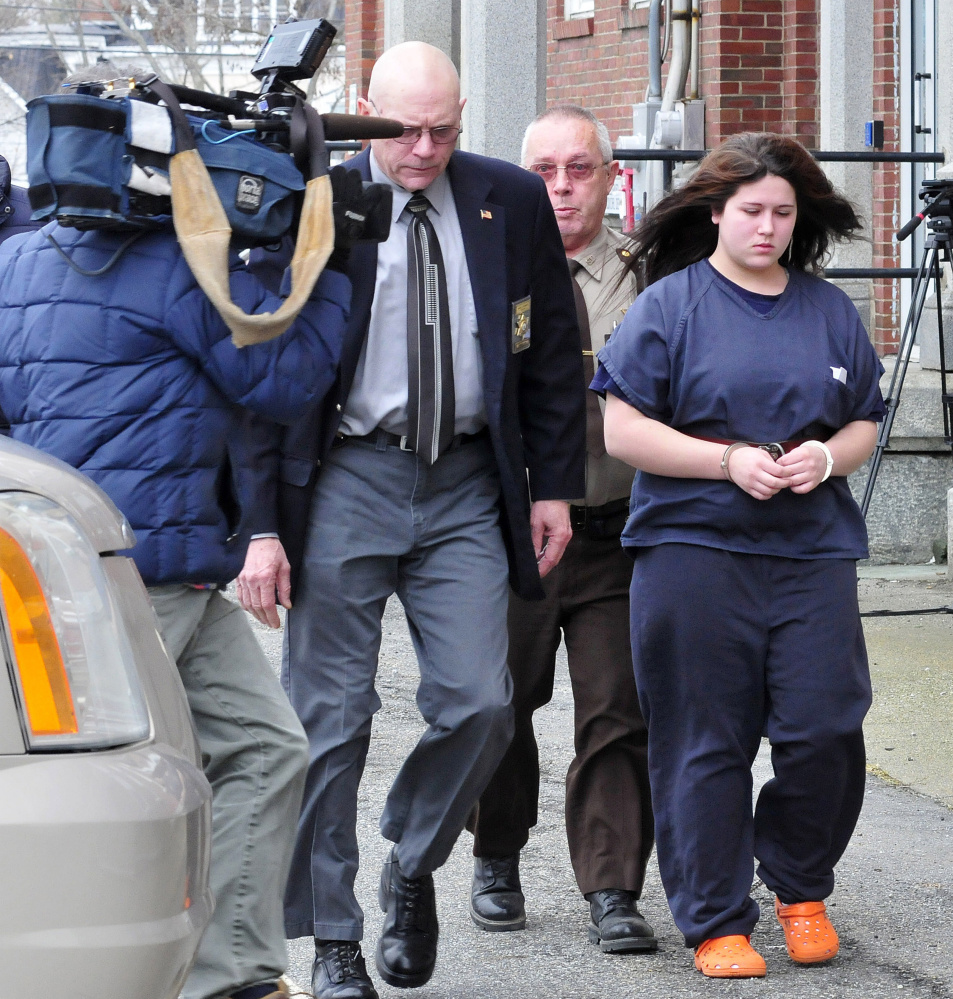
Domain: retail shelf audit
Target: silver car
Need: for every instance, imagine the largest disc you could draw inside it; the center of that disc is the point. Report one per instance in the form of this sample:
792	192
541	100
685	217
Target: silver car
105	819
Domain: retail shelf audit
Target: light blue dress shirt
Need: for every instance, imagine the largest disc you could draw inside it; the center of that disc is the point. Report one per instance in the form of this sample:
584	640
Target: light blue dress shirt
378	396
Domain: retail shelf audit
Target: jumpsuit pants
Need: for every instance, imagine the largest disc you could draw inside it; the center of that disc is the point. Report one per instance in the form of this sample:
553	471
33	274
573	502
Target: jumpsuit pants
727	648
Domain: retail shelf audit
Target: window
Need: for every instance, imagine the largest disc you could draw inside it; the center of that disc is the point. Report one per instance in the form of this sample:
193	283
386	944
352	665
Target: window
579	8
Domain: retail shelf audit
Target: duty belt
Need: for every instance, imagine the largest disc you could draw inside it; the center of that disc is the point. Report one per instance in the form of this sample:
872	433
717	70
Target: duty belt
604	521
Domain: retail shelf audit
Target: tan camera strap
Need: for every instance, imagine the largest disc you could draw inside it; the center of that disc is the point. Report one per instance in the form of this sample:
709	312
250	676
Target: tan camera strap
204	232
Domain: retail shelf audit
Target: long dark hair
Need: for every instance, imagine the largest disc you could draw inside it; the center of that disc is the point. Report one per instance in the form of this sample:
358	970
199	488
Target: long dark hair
678	230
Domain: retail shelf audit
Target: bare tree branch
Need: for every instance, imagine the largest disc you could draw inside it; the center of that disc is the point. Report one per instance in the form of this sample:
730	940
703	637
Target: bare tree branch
179	40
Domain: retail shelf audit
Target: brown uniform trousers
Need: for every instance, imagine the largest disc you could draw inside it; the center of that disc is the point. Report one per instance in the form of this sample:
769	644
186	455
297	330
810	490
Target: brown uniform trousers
609	821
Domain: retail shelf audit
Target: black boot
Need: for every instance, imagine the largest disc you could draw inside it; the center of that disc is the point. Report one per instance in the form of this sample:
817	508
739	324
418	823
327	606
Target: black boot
407	949
616	924
496	897
339	971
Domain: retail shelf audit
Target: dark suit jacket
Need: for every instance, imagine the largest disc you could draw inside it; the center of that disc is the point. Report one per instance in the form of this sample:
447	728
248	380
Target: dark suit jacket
534	399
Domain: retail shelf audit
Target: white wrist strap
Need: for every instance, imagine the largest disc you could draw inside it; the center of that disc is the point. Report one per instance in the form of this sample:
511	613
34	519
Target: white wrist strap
821	446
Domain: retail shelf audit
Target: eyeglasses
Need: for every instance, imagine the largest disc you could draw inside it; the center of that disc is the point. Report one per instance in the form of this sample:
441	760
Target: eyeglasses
442	135
574	171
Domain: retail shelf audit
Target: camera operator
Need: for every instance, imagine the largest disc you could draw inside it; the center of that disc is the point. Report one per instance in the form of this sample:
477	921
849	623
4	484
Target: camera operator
14	206
120	366
14	219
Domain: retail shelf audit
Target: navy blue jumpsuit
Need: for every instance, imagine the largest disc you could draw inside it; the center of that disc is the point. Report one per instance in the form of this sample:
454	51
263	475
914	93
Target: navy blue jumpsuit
744	614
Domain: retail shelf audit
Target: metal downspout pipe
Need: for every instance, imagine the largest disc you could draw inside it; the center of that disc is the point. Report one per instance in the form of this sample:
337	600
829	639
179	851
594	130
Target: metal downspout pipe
668	128
694	59
654	92
678	68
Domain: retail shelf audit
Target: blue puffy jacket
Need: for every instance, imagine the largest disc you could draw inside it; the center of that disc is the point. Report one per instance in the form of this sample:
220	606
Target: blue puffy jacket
14	206
131	377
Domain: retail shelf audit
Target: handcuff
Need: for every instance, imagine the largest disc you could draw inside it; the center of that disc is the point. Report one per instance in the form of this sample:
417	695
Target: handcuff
776	450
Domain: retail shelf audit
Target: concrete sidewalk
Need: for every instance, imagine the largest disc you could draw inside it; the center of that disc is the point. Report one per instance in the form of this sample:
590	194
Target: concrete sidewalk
909	729
893	905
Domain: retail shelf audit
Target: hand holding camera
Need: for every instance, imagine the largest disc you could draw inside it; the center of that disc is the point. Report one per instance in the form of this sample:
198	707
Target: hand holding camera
361	212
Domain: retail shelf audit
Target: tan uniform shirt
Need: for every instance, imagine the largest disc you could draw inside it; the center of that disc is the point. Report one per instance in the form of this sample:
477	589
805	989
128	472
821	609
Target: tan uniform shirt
607	478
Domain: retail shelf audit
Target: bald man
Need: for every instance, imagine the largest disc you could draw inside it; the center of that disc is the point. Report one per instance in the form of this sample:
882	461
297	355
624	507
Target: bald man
440	470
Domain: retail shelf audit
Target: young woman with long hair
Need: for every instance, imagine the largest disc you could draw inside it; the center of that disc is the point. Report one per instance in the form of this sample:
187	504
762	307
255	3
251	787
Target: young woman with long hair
745	390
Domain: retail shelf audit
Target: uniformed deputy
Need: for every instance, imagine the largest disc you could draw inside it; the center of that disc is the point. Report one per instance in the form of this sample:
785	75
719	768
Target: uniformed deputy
608	806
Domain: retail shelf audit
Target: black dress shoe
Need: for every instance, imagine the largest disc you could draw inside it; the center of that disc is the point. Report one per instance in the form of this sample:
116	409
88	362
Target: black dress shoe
407	949
339	971
616	924
496	898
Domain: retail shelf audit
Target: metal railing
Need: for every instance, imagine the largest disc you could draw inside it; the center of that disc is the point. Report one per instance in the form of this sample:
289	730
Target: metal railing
821	155
877	273
686	155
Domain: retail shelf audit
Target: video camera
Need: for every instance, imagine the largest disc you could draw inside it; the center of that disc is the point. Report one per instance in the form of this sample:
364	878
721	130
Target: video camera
937	198
100	155
231	172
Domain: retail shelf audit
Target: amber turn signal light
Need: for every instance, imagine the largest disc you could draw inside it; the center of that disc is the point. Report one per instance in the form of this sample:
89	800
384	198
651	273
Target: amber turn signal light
44	683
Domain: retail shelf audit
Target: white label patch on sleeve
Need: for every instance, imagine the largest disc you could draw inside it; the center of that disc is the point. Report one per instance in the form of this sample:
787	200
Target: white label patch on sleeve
149	127
840	374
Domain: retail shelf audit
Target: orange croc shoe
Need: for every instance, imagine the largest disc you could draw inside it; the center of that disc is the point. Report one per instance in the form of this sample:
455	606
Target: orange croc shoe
729	957
808	932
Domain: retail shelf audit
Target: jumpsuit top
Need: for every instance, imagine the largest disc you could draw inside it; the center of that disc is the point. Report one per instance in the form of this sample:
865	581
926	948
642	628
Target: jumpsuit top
694	353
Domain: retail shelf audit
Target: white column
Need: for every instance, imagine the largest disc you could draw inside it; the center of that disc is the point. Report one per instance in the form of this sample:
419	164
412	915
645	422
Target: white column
944	80
433	21
846	91
503	62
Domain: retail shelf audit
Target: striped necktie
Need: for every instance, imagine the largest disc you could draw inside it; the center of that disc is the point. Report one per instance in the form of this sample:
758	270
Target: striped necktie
430	401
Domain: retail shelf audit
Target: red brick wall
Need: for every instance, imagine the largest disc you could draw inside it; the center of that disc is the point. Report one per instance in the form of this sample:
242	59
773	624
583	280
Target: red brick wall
758	64
801	97
886	176
599	62
363	40
742	74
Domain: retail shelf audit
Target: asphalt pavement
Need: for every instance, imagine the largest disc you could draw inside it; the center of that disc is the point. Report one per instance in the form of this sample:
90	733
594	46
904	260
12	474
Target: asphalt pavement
893	904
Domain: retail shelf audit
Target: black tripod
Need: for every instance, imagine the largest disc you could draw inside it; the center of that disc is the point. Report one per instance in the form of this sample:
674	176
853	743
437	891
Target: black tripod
938	198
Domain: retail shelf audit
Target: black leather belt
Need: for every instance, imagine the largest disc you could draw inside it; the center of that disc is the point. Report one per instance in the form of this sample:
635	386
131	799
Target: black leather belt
385	437
600	521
